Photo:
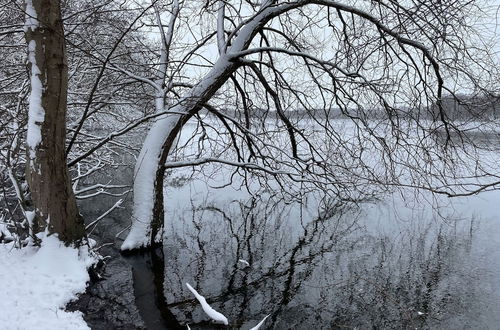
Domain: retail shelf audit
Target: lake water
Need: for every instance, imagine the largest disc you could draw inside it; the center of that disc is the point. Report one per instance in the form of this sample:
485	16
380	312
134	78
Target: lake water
407	261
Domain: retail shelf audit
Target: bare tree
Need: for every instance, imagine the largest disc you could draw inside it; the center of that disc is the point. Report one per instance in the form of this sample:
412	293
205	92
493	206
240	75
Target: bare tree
14	87
98	101
300	65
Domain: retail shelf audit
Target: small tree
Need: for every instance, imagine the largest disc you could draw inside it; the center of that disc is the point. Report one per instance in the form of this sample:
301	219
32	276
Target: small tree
46	169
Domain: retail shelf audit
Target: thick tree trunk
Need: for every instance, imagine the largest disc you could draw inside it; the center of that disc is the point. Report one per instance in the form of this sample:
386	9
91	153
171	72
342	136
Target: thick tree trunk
47	172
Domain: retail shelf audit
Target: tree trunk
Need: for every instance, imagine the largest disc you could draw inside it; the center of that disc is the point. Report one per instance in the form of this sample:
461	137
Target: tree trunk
148	209
46	168
147	213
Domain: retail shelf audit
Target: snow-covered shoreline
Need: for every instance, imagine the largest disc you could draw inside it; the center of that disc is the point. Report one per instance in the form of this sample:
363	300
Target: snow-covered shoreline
37	283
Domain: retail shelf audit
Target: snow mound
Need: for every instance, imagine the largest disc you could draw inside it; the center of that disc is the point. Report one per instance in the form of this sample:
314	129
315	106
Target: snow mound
37	283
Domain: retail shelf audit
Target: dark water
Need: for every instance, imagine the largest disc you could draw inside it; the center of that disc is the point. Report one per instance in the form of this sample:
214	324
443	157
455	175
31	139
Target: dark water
147	272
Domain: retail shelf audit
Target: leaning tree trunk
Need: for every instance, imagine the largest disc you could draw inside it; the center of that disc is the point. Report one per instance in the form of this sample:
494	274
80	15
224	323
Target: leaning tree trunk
148	209
147	213
46	169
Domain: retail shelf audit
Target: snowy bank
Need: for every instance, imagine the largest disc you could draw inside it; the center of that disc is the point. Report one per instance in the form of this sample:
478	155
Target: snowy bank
37	283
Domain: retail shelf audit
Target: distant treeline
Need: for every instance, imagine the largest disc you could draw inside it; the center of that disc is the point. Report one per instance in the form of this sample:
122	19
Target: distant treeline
477	108
458	108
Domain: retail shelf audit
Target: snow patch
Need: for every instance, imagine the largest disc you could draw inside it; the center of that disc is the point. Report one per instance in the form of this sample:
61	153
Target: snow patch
4	230
36	113
30	216
37	283
31	20
244	262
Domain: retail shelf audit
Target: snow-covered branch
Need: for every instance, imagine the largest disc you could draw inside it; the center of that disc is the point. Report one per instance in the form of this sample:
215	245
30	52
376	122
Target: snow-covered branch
99	186
202	161
221	42
94	223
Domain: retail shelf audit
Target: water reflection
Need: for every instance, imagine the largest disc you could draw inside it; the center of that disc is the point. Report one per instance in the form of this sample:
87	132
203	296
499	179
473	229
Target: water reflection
310	268
325	268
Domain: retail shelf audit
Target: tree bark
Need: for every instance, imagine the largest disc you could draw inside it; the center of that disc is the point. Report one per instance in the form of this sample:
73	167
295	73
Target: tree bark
46	170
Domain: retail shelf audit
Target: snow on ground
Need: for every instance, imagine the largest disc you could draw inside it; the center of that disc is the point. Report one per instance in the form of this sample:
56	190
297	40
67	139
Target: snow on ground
37	283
